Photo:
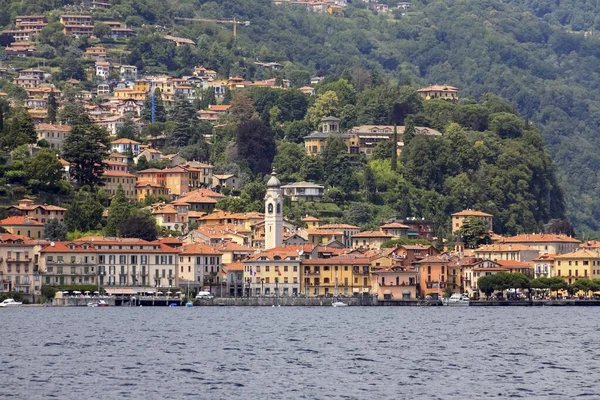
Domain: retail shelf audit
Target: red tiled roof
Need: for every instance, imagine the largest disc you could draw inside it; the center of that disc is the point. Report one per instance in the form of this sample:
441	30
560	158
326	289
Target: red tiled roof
20	220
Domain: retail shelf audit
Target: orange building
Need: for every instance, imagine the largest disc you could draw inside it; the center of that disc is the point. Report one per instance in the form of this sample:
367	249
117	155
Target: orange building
433	275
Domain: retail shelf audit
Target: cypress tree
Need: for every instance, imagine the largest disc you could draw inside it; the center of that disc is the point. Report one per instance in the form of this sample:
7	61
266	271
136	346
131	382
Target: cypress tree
395	149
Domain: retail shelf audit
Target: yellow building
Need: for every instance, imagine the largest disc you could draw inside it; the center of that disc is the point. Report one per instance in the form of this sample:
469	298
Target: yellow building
578	264
444	92
141	86
312	222
352	275
23	226
322	236
275	272
370	239
459	218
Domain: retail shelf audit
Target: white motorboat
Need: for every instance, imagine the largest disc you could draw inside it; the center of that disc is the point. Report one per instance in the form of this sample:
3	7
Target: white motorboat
99	303
10	303
339	304
457	299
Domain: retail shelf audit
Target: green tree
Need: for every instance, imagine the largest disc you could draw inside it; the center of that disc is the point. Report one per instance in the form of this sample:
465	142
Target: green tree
394	148
55	230
120	210
288	161
327	104
295	131
86	148
70	68
242	107
142	163
506	125
43	170
20	130
84	213
255	144
101	30
487	284
185	127
74	113
474	232
127	130
140	225
160	114
52	107
383	151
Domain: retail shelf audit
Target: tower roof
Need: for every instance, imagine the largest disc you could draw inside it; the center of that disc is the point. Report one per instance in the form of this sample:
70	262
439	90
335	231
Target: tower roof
273	181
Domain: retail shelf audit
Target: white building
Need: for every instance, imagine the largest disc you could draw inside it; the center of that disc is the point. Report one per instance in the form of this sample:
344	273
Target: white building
306	191
123	146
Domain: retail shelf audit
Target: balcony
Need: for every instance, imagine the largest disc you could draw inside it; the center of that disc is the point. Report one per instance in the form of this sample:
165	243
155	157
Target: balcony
392	284
14	260
434	285
312	273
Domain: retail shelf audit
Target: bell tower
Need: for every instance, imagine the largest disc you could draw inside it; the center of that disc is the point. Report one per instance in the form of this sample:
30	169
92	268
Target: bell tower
273	213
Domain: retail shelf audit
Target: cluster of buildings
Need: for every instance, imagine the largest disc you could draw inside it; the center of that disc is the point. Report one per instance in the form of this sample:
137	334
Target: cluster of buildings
263	254
359	139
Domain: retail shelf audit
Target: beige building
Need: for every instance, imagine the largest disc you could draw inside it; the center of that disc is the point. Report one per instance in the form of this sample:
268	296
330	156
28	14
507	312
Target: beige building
19	270
370	239
498	252
201	264
39	212
23	226
55	135
112	180
228	181
275	272
545	243
110	263
459	218
444	92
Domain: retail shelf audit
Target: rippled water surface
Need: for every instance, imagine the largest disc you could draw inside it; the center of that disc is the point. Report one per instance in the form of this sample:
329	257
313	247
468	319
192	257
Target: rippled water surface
299	353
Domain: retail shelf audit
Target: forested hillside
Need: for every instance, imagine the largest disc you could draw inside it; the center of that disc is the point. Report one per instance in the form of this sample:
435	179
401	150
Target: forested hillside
532	54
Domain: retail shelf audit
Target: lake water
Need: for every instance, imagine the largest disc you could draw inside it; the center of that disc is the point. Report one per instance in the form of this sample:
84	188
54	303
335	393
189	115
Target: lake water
300	353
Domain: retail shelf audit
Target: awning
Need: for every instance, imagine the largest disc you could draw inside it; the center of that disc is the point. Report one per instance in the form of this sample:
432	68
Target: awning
406	291
355	290
114	291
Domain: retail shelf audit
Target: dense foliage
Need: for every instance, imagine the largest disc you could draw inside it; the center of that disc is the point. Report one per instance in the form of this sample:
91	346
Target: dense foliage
524	51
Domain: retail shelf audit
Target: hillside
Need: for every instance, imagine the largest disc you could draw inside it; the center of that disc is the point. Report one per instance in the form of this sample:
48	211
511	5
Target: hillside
522	52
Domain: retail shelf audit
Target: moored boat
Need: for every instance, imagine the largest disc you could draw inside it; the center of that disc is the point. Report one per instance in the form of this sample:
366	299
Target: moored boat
10	303
457	299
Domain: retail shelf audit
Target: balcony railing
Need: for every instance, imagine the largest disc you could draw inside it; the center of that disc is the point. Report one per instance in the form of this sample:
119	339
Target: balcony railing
13	259
434	285
400	284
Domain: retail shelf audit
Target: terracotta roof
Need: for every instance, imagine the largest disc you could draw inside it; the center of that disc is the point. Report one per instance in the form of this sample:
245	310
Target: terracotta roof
394	225
124	141
323	232
438	88
310	219
338	260
503	248
580	253
338	226
535	238
53	127
434	259
513	264
545	257
20	220
375	234
471	213
198	198
117	173
232	246
235	266
199	249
